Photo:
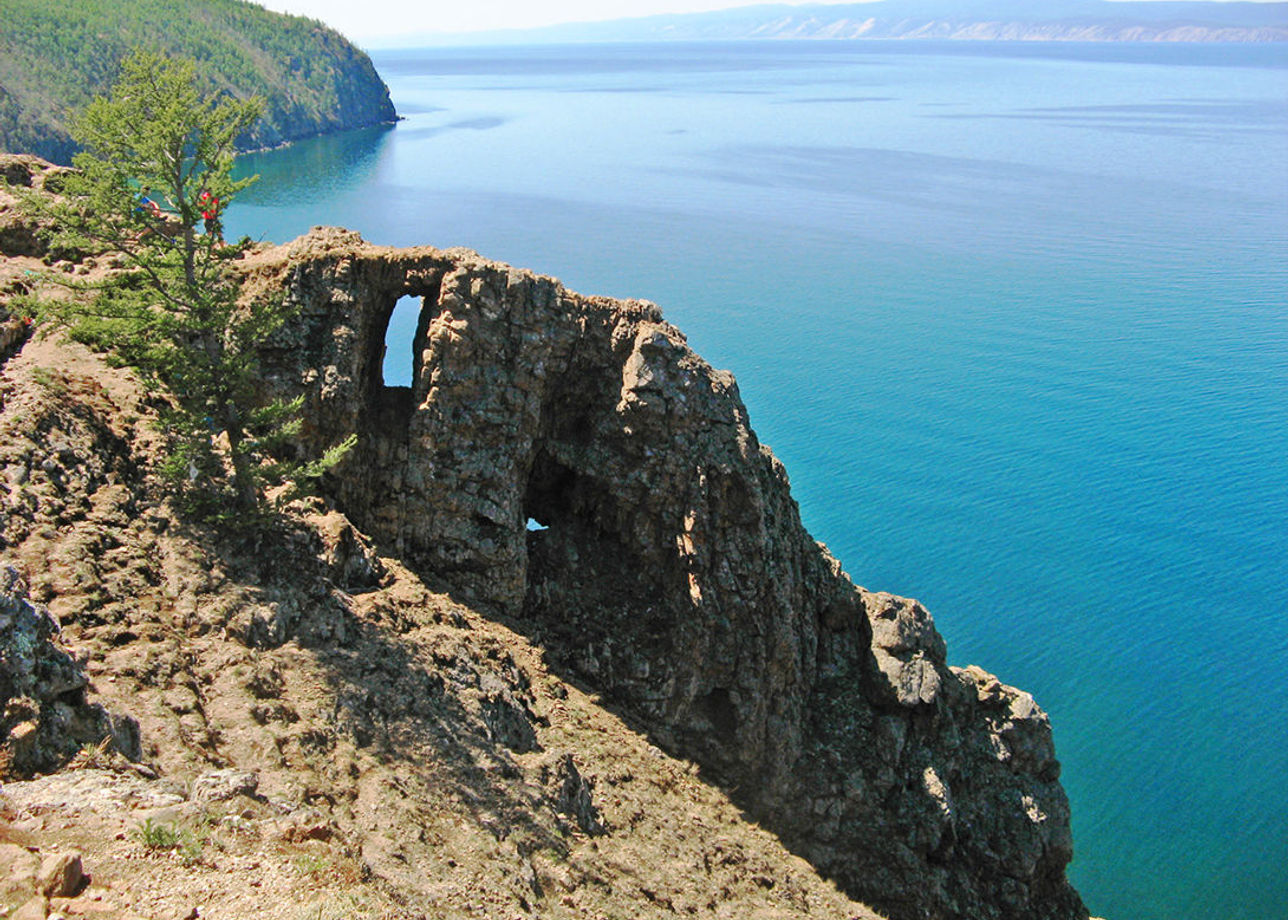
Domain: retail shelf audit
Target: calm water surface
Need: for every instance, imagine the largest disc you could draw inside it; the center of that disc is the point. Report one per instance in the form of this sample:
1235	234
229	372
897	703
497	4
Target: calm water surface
1015	317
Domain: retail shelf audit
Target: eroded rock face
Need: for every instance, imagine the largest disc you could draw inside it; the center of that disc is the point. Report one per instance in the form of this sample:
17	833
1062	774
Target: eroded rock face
672	572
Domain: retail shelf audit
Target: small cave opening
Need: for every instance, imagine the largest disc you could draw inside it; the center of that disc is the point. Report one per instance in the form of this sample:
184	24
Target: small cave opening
576	562
592	596
550	494
720	711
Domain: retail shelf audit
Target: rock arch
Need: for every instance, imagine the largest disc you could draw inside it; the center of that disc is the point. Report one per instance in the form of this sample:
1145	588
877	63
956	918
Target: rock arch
675	575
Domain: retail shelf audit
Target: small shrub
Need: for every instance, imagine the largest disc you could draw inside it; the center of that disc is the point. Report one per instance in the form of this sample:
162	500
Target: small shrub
93	756
154	836
312	865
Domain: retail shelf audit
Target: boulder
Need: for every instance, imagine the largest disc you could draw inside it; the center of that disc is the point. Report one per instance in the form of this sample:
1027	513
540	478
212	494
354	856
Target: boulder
61	875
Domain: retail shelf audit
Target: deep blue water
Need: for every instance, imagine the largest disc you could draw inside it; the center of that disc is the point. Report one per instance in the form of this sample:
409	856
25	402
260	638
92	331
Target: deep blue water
1016	319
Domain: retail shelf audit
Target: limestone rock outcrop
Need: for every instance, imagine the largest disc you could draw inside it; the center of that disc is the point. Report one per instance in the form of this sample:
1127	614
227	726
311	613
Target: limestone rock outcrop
571	465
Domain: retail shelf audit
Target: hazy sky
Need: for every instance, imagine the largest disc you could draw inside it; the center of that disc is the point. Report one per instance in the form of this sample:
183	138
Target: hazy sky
365	20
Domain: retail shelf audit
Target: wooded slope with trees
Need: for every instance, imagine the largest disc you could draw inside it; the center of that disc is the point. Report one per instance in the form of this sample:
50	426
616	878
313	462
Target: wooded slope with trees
55	57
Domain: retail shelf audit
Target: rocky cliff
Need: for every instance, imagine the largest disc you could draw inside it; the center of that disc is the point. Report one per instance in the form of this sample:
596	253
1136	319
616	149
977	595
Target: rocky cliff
414	660
672	573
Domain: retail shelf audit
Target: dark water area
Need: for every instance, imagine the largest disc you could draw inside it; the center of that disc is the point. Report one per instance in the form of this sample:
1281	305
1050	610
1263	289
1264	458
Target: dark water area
1014	316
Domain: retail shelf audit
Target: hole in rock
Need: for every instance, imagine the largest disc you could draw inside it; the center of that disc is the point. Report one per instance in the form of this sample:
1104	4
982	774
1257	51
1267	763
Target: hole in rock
400	336
721	712
551	493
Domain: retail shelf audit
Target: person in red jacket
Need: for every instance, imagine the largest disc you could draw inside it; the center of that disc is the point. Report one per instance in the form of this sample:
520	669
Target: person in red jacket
210	215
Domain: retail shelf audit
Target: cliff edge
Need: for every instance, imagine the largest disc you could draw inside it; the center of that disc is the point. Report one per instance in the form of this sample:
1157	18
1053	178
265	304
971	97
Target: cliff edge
557	568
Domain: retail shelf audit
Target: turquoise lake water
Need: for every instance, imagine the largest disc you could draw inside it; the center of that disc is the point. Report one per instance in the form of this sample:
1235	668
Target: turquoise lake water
1014	316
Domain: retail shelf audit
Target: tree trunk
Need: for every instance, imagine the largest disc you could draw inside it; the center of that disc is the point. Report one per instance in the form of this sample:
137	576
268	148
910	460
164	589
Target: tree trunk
243	477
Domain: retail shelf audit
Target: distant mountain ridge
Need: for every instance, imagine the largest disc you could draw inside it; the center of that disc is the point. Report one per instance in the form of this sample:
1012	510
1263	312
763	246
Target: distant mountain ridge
55	57
1013	20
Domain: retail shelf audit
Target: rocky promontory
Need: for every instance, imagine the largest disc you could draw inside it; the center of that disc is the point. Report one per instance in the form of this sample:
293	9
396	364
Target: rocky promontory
553	642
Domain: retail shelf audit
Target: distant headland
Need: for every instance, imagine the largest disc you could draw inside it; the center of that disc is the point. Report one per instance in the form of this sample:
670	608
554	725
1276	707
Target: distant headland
981	20
55	57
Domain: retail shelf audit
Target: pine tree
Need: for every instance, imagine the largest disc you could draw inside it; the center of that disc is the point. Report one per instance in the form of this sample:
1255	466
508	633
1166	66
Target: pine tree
154	174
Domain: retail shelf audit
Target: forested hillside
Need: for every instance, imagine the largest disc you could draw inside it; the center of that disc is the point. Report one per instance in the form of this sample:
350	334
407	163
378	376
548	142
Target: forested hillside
54	57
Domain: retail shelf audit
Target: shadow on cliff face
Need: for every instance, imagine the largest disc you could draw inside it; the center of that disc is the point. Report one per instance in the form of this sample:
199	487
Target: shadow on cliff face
588	592
673	574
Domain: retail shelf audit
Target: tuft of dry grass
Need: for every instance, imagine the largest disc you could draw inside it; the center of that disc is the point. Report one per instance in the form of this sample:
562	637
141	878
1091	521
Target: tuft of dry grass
99	756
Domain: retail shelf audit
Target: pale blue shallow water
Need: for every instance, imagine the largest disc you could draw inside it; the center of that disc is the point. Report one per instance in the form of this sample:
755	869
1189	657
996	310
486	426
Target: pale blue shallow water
1016	319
